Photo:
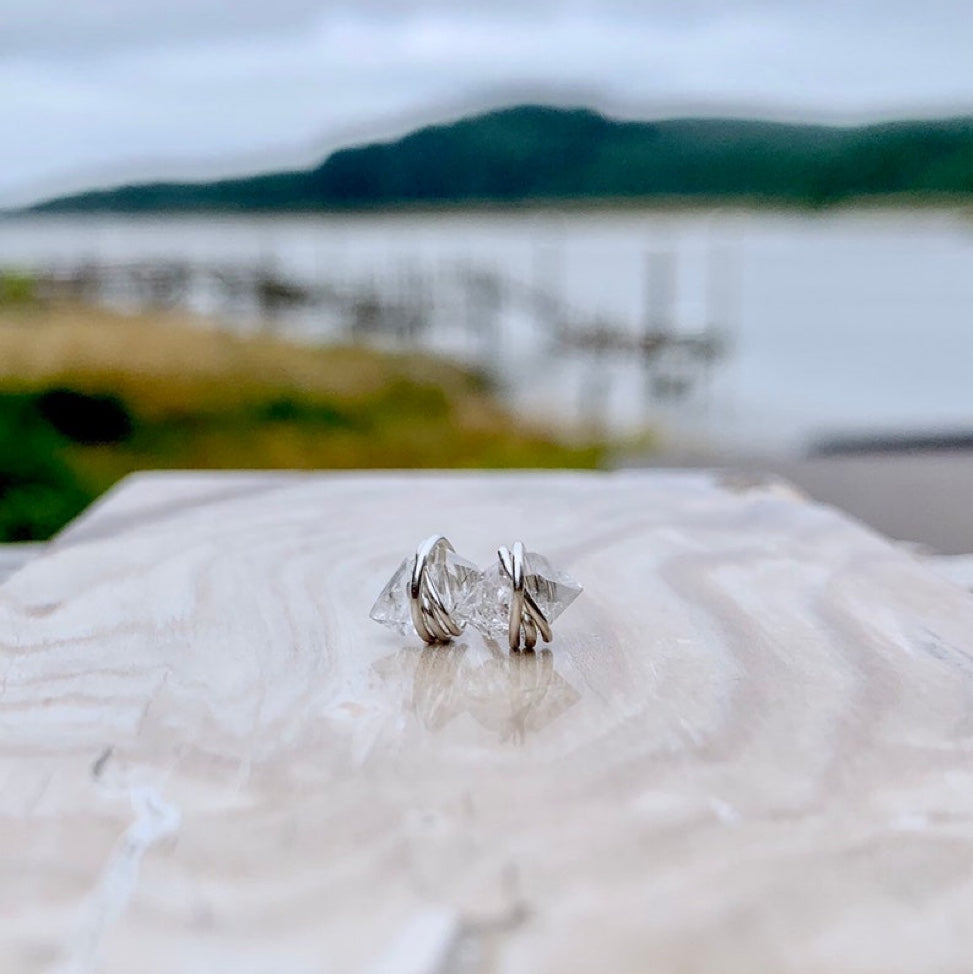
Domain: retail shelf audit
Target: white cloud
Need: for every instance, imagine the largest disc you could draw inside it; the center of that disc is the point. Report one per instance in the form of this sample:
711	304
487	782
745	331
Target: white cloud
117	88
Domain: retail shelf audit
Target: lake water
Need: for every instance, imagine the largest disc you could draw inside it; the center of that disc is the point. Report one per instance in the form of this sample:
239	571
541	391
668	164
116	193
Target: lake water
840	322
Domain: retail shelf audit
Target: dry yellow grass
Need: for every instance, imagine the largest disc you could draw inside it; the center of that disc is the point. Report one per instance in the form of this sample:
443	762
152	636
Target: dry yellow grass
198	397
158	361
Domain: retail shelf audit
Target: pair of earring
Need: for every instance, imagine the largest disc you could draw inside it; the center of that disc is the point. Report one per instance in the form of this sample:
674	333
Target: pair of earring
436	592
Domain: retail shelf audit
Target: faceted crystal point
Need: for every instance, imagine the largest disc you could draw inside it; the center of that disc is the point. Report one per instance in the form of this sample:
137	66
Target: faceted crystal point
488	606
391	608
451	576
553	590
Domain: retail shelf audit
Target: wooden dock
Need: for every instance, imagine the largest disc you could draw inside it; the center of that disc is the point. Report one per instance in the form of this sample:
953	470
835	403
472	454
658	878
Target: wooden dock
747	750
406	305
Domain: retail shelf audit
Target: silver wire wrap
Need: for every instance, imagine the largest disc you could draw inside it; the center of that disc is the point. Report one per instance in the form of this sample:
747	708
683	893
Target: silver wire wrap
432	620
526	618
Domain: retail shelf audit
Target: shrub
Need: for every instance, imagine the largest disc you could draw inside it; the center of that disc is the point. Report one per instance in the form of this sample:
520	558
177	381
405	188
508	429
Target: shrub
39	492
85	417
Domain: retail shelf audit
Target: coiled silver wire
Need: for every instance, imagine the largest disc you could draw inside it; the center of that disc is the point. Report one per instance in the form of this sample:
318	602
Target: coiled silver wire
526	617
433	621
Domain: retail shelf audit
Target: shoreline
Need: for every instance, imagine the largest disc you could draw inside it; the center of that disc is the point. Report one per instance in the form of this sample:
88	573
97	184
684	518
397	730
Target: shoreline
572	206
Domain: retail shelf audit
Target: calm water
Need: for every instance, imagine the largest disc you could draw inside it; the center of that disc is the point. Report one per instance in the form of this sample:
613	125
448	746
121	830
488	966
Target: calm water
839	322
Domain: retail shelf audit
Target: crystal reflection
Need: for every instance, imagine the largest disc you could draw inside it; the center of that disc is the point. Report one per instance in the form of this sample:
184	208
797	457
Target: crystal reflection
511	694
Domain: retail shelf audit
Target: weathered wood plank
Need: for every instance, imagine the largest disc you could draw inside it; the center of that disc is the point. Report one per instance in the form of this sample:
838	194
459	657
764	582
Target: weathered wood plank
750	747
15	556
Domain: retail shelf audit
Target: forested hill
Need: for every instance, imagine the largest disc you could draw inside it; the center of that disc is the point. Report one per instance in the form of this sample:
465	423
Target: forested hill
546	154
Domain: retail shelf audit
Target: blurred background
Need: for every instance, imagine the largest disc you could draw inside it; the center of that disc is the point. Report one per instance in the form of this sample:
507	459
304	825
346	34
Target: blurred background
375	234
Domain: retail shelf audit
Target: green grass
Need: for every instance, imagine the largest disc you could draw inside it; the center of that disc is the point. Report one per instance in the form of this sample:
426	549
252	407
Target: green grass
39	488
17	289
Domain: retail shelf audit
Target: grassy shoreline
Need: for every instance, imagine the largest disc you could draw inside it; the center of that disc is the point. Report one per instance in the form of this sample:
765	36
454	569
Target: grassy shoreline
88	396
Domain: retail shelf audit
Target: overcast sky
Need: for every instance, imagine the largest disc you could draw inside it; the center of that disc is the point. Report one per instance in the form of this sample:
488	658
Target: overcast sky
93	91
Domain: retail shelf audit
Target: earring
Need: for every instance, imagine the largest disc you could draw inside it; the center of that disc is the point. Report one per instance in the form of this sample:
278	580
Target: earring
424	593
519	597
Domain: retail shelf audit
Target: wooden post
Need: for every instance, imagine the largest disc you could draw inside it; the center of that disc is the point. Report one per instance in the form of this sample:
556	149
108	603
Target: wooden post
546	291
660	297
660	293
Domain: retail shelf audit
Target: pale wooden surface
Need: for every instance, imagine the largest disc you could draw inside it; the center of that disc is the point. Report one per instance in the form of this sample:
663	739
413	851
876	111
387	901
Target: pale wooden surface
749	749
13	556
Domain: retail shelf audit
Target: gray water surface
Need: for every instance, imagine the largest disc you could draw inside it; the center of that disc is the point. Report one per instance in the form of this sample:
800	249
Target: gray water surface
844	321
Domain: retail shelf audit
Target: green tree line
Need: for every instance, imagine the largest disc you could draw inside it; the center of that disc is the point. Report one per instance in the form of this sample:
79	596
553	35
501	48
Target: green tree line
539	154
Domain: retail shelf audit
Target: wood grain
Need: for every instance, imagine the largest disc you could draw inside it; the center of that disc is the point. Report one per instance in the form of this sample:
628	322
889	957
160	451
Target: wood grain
750	747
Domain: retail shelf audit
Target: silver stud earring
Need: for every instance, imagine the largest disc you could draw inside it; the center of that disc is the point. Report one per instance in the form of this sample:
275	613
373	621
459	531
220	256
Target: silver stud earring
519	597
424	594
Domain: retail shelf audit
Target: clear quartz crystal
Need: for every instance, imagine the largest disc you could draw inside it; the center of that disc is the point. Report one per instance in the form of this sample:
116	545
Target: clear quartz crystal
451	576
488	605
